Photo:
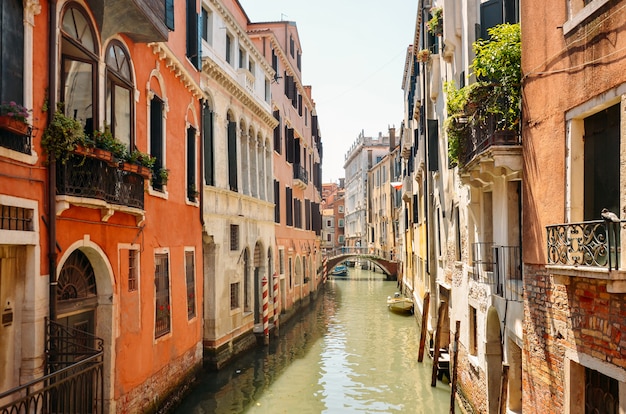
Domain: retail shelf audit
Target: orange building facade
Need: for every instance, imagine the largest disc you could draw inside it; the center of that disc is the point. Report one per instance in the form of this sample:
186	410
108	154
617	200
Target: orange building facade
574	95
102	260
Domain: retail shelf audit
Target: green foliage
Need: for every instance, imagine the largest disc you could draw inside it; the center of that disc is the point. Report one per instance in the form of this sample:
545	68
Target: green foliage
499	62
62	136
106	141
435	24
141	158
497	93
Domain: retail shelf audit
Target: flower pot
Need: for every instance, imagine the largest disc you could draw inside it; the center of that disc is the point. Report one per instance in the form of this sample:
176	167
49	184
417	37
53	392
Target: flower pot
103	154
9	123
83	150
129	166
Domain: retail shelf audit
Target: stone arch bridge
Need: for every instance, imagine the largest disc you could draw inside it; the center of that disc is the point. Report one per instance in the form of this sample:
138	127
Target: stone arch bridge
336	256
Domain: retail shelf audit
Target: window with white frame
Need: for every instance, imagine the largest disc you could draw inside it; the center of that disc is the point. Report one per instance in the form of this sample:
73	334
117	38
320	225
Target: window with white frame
207	25
162	294
190	279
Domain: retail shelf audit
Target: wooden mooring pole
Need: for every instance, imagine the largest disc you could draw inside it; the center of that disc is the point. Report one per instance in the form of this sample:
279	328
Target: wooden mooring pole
442	308
504	388
455	349
425	307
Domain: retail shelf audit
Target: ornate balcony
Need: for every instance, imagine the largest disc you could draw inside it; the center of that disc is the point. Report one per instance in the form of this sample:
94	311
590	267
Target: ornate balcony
300	176
587	244
142	20
96	183
487	152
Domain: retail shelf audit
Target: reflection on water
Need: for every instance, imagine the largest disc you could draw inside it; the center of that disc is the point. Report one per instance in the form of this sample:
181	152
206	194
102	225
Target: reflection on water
347	354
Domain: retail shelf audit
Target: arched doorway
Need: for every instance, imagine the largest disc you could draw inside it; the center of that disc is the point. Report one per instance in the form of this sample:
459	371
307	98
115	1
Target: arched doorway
493	356
77	298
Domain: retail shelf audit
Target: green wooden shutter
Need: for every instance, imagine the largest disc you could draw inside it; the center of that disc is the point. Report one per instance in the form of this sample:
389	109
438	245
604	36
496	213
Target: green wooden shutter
169	14
207	130
232	156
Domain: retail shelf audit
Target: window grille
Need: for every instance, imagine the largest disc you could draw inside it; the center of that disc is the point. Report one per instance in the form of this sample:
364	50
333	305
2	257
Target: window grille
162	294
133	269
16	218
234	237
190	272
234	295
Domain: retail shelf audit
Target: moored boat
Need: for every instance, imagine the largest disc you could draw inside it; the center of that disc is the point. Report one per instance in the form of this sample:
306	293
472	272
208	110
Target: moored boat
399	303
340	270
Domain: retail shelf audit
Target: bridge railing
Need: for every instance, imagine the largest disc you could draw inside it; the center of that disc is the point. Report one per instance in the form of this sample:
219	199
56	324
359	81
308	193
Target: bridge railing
346	250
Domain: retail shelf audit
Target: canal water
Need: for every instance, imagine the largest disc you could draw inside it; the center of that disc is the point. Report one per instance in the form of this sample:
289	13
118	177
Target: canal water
346	354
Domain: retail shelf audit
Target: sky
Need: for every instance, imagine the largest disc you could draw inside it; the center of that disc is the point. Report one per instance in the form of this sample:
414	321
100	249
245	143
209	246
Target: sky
353	54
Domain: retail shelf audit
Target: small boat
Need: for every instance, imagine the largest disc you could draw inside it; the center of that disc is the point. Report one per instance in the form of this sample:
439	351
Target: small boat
340	270
399	303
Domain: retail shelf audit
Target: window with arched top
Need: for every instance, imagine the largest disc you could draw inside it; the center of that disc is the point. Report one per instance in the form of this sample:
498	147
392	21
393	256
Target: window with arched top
119	92
79	53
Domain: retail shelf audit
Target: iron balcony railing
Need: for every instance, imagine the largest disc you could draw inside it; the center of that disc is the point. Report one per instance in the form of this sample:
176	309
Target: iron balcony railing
591	243
299	173
483	136
506	279
500	267
16	142
482	252
74	380
95	178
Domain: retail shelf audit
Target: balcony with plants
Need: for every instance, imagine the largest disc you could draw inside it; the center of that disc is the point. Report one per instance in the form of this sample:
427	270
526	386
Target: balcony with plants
483	117
97	171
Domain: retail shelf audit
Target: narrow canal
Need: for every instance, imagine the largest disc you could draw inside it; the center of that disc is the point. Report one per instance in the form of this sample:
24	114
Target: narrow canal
348	353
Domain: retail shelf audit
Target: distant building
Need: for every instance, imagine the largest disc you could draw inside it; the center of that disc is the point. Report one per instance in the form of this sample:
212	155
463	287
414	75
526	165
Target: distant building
383	201
333	201
364	153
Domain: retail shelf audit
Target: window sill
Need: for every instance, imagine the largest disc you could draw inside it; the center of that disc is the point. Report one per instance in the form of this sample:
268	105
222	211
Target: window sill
616	279
582	15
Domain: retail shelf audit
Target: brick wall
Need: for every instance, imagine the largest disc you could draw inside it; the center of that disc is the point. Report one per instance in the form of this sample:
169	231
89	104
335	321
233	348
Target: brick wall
471	385
164	385
561	314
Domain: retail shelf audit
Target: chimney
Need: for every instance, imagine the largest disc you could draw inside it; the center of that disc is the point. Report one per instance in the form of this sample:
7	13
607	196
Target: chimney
392	138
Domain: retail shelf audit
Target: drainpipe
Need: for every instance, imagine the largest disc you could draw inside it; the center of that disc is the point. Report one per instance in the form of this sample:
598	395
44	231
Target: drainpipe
52	103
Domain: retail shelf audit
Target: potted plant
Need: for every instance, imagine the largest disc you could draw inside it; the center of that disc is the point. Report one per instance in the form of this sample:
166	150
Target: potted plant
435	24
423	55
163	175
14	117
192	192
144	161
61	136
104	142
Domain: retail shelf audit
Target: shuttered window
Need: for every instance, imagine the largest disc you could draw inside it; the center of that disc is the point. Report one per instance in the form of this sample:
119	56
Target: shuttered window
194	34
289	205
169	14
433	145
276	201
207	134
156	140
232	155
277	131
191	164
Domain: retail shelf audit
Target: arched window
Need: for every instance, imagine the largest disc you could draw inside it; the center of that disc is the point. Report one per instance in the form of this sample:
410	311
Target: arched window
78	66
119	92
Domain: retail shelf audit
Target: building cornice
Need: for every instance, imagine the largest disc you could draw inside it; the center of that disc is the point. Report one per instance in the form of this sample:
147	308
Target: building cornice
215	72
177	68
242	34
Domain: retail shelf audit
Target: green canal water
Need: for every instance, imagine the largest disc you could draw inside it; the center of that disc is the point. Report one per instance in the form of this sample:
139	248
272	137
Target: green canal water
345	354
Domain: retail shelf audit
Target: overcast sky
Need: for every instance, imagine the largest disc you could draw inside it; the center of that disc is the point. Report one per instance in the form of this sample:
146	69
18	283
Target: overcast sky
353	54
